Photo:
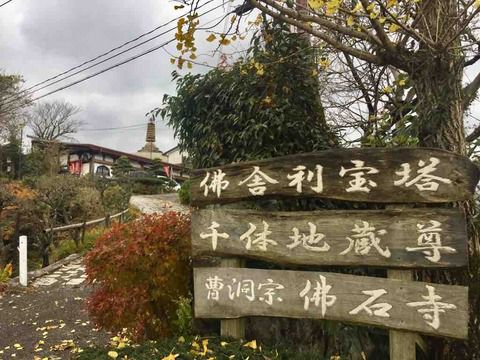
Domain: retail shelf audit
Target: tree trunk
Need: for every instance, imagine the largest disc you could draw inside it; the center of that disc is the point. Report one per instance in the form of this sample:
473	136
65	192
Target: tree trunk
440	124
438	85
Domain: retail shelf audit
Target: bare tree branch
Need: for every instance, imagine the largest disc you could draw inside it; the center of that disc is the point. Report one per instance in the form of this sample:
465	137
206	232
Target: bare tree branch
474	135
470	91
54	120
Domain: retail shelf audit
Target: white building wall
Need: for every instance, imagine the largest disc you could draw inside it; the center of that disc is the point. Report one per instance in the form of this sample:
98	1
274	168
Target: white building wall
176	157
85	168
64	160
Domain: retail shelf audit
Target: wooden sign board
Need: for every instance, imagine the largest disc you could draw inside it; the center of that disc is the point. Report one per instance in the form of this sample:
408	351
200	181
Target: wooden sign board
409	238
394	175
439	310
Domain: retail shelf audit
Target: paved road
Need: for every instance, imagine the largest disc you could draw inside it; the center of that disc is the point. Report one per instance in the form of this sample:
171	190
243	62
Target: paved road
150	204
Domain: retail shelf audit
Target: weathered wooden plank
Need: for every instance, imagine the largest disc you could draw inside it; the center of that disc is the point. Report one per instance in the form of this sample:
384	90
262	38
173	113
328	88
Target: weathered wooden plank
439	310
402	344
234	328
394	175
401	238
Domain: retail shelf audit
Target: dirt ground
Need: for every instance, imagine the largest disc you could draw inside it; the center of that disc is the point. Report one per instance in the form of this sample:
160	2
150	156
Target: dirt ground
46	322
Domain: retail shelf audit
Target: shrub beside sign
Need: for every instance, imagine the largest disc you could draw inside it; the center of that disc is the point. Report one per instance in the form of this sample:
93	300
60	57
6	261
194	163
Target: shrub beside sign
393	238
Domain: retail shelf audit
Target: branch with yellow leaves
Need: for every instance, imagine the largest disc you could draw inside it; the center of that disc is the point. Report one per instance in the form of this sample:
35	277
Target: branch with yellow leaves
280	15
382	35
324	23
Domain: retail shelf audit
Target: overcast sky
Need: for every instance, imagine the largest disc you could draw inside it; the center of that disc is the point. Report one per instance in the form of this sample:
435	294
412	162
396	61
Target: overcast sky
39	39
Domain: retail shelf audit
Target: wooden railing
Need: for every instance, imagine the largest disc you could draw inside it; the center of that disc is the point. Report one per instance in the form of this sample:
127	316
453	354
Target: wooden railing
85	224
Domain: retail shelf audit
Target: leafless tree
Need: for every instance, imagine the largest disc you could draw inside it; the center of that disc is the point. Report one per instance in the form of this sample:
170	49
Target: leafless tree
54	120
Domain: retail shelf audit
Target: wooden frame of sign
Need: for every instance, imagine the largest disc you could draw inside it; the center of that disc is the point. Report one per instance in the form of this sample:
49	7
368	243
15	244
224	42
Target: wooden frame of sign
395	238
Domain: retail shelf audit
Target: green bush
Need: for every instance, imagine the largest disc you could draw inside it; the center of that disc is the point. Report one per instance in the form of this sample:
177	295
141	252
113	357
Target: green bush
86	204
184	193
116	198
260	107
150	186
184	321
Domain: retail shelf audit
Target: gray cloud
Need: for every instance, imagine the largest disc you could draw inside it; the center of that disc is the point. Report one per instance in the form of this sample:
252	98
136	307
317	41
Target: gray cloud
39	39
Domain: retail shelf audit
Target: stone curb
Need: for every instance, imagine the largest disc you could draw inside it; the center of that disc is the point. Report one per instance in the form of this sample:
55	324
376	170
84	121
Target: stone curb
32	275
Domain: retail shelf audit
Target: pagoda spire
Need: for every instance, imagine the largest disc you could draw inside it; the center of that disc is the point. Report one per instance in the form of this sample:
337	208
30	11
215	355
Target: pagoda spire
150	146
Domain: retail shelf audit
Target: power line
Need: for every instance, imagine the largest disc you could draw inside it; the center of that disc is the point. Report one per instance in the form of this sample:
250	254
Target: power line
106	69
15	97
5	3
140	125
97	73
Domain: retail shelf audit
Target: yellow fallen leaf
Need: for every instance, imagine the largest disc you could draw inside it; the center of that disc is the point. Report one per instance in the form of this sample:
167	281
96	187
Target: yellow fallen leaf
170	357
181	339
252	344
223	343
113	354
205	346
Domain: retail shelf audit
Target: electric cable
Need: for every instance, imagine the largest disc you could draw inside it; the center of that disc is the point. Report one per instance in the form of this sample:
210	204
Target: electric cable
5	3
15	97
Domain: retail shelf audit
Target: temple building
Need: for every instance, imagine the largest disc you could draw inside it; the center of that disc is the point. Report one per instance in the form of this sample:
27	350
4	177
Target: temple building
83	158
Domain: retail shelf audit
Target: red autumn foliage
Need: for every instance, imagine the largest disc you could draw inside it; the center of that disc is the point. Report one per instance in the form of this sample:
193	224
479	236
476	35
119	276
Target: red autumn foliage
139	270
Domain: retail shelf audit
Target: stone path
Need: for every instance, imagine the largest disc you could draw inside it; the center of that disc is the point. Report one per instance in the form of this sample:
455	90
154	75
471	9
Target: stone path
72	274
150	204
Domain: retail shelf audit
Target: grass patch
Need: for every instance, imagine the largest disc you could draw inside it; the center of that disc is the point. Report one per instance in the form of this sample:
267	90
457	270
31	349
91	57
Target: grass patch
68	246
196	348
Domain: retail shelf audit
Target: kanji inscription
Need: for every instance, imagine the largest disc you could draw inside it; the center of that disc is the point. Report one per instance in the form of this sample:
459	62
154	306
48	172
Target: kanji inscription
395	175
420	238
432	309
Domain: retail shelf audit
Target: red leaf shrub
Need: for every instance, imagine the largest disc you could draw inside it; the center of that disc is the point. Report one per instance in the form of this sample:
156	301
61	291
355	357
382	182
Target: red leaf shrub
139	270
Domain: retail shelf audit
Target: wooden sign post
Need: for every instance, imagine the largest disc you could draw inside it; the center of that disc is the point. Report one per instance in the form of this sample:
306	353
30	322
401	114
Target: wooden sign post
397	238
